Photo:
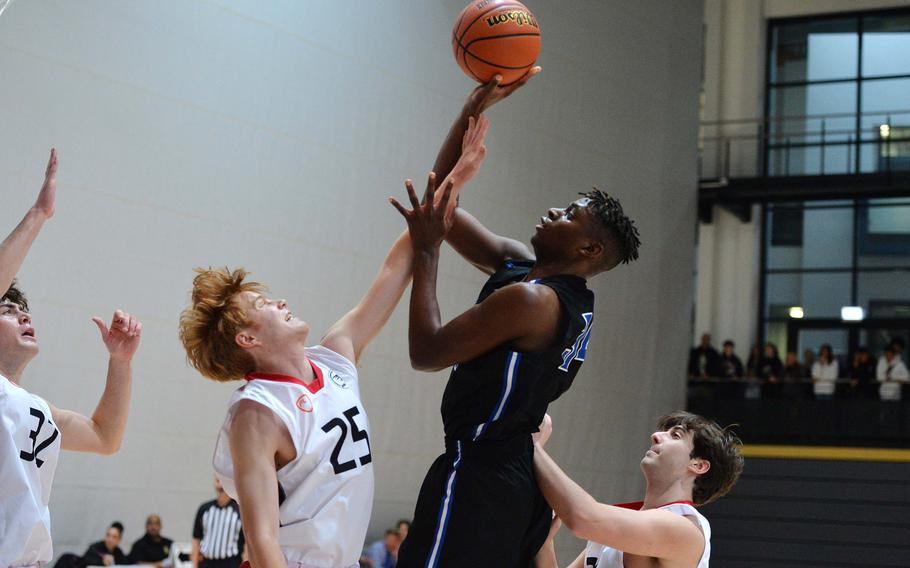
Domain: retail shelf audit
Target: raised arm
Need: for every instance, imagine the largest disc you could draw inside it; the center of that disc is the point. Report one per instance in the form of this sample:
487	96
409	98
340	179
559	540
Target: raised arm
654	533
477	244
103	432
258	437
511	315
15	247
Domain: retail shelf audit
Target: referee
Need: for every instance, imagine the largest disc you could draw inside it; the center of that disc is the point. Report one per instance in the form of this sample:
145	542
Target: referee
217	534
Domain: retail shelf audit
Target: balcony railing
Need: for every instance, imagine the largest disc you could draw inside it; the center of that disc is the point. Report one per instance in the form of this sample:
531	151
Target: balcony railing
809	145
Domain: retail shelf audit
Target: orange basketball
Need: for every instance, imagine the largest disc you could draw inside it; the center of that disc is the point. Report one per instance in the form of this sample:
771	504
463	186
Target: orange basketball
496	36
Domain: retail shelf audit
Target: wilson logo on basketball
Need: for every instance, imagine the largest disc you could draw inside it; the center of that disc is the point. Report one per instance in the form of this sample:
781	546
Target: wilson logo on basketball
517	17
304	403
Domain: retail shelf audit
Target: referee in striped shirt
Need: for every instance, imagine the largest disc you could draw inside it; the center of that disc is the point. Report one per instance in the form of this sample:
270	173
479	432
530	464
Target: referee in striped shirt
217	534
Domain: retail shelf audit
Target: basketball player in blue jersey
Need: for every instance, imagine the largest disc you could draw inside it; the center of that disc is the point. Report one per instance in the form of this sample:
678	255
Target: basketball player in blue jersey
691	462
514	352
32	432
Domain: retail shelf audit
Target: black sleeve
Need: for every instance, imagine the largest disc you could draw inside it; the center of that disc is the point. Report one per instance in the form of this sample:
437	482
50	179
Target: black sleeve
120	557
92	556
197	524
739	366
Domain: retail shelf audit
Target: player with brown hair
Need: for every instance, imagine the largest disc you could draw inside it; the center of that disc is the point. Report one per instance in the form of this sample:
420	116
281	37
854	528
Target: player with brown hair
691	462
32	431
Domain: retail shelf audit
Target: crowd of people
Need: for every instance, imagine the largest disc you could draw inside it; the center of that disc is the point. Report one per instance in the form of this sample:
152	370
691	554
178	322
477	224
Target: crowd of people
218	542
864	377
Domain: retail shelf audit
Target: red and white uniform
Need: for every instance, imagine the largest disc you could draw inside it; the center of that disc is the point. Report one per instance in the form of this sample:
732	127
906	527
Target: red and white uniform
326	492
29	448
601	556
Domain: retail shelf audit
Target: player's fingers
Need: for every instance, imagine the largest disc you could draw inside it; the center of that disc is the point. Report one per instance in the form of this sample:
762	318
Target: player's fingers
132	325
396	205
412	195
99	323
138	329
118	322
431	192
446	196
51	164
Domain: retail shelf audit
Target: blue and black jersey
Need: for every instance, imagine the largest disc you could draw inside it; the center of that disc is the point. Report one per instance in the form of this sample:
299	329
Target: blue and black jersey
504	392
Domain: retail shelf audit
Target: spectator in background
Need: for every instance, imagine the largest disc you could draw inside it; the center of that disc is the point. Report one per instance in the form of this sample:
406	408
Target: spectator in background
217	533
383	553
862	374
152	549
403	526
753	364
770	371
808	361
703	359
793	371
770	368
106	552
729	366
824	373
891	372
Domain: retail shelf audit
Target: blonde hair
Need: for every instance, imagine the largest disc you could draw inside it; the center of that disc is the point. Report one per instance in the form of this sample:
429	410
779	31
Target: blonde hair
209	326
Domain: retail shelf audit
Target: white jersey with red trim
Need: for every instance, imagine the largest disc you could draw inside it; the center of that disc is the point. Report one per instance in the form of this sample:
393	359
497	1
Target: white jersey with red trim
601	556
326	491
29	448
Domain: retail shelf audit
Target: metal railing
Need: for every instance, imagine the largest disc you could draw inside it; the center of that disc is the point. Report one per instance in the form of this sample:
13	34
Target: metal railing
820	144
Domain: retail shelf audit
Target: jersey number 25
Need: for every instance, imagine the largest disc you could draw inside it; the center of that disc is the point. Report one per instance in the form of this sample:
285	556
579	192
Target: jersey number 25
356	435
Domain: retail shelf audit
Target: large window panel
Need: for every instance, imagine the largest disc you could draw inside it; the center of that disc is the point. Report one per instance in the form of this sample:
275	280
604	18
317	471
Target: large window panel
821	295
813	238
813	51
884	294
883	234
886	45
790	105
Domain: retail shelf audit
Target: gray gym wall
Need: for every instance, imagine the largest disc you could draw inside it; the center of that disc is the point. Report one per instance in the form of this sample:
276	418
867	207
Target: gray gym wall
268	135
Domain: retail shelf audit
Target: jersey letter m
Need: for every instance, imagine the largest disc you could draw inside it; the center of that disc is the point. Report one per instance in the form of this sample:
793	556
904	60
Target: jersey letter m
580	347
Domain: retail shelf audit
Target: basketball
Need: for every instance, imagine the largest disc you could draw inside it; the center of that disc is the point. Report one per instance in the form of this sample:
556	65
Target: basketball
493	37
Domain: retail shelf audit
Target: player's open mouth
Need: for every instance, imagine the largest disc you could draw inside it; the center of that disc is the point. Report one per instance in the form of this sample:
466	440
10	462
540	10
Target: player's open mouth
289	317
30	333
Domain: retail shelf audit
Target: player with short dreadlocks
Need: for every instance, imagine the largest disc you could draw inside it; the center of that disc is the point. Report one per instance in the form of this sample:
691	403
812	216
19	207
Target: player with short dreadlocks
516	350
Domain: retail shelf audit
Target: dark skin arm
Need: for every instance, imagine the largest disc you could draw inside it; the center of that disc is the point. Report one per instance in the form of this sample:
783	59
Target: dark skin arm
511	315
477	244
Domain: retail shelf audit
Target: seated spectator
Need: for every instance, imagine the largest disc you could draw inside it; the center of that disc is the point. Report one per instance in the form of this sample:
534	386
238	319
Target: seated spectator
753	364
891	372
862	374
383	553
824	373
793	371
729	366
808	361
703	359
152	549
106	552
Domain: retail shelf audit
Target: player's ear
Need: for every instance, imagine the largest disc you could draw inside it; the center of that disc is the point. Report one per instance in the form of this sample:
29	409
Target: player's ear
245	340
593	250
699	466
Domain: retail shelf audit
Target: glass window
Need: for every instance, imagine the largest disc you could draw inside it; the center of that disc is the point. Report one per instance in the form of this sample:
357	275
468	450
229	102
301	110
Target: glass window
884	294
820	294
883	234
813	51
810	238
796	103
886	45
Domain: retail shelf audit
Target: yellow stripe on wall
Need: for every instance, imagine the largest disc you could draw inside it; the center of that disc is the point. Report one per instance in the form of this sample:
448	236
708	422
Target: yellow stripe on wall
826	453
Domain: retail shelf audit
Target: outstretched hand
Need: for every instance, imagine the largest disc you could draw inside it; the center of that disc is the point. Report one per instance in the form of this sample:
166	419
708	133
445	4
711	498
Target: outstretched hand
122	338
473	151
485	96
48	194
429	222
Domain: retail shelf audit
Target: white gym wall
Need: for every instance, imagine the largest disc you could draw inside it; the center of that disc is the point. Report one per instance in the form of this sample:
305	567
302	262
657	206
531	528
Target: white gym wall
268	134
